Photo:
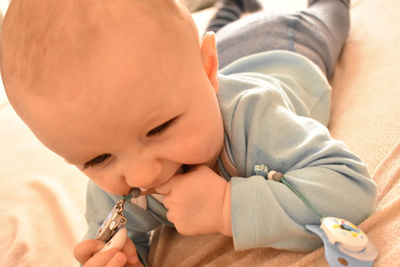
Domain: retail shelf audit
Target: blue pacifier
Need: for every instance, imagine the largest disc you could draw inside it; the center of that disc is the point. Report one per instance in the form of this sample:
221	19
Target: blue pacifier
345	244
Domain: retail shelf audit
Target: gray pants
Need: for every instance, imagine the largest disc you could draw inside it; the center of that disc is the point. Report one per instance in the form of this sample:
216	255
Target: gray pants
318	33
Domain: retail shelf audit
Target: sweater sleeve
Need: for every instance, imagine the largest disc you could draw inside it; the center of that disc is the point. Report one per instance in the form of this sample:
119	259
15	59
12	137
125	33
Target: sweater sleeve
264	129
98	206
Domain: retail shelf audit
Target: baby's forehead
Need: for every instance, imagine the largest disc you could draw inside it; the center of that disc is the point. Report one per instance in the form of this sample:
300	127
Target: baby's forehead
39	37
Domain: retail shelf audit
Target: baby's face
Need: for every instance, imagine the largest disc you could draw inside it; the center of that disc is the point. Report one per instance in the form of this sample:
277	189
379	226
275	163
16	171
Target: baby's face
131	117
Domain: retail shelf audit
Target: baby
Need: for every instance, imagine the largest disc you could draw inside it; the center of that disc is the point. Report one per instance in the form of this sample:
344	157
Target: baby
125	91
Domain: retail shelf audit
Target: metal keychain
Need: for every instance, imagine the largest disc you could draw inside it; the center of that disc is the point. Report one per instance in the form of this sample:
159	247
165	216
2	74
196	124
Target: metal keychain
115	219
114	222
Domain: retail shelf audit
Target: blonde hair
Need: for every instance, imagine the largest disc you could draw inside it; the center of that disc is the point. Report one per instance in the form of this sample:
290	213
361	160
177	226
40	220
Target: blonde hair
40	35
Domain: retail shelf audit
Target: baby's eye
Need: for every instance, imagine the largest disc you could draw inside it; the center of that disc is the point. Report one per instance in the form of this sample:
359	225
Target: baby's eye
161	128
96	161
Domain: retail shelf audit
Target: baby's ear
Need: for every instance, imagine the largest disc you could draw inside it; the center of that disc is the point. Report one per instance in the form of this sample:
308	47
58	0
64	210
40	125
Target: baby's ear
210	58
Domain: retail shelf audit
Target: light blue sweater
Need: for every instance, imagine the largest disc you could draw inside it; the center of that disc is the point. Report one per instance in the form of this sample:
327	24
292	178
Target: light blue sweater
274	106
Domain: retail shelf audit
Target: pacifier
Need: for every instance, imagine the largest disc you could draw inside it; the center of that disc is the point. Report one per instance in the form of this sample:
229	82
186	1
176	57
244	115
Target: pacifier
345	244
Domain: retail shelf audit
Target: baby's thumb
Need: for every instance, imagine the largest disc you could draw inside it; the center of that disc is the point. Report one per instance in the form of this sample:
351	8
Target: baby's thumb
84	250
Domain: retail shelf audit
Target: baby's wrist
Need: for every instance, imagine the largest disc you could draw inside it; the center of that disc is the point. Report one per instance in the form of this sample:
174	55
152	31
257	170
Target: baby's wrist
226	212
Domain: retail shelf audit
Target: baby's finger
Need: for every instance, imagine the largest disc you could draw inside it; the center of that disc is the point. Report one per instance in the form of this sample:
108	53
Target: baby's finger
130	250
86	249
165	189
109	258
118	260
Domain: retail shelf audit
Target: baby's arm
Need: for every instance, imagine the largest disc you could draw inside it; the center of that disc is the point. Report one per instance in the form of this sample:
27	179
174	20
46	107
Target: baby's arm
266	213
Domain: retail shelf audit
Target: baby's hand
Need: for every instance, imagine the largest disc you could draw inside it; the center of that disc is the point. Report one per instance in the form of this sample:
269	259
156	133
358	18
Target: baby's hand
198	202
86	252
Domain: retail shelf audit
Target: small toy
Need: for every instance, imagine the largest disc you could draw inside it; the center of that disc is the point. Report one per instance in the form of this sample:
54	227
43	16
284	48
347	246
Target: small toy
345	244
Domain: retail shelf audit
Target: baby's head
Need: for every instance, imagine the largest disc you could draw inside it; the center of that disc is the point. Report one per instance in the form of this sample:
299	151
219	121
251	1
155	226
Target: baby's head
122	89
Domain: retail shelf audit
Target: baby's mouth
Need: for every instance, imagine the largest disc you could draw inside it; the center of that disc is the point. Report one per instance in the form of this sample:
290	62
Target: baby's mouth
184	169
